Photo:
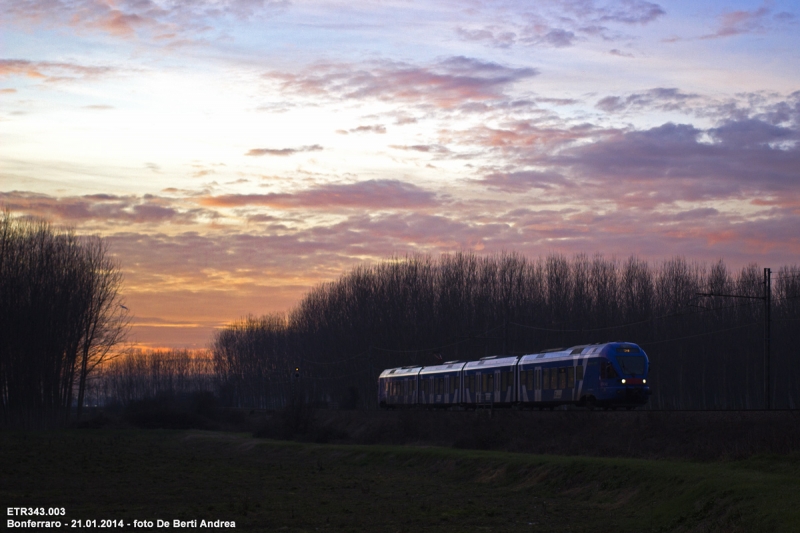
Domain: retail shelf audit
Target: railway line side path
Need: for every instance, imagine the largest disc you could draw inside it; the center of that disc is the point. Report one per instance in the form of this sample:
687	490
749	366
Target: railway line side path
143	479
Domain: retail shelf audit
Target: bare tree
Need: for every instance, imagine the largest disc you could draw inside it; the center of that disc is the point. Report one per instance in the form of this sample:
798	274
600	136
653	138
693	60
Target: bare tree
60	317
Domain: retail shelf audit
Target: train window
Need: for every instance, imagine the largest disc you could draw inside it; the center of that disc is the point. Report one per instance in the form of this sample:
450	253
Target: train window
487	383
570	377
546	378
503	380
539	378
553	378
562	378
452	384
610	372
509	380
579	373
631	364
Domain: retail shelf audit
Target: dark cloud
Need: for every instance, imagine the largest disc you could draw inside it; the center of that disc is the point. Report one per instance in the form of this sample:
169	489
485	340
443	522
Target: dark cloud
619	53
257	152
372	194
491	37
560	23
374	128
523	180
664	99
558	38
751	133
680	161
630	12
426	148
448	83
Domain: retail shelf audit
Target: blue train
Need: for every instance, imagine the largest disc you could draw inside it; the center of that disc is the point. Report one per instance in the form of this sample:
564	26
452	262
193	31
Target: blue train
609	376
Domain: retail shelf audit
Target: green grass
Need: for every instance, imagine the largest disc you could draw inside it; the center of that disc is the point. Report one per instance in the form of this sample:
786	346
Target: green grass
286	486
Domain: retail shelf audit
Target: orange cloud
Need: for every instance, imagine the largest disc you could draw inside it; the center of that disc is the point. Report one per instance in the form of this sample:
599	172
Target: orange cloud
50	71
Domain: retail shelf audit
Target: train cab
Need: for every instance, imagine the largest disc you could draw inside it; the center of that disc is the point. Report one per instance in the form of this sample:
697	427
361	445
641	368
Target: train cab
620	371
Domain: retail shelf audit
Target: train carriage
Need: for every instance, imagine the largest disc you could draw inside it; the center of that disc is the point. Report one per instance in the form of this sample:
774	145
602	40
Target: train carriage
551	378
440	385
491	380
398	387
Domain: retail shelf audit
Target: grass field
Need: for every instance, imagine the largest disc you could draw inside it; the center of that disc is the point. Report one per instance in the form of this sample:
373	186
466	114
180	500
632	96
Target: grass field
267	485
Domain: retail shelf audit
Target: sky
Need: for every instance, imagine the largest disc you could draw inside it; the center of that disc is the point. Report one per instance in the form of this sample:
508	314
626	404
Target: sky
236	153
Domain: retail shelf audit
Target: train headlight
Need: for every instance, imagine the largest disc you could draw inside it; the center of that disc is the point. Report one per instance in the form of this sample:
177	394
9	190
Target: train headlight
644	381
623	381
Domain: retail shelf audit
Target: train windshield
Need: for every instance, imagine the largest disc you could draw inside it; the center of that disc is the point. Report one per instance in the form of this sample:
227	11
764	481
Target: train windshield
631	364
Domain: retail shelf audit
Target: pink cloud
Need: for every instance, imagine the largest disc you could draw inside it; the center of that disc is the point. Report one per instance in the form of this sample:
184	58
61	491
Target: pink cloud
372	194
741	22
446	84
105	208
523	137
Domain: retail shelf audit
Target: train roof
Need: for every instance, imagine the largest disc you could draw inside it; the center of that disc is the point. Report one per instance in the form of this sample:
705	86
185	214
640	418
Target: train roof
401	371
450	366
605	348
584	349
492	362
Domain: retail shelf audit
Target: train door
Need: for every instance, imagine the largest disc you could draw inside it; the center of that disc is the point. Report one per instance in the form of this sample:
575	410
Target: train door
537	384
487	387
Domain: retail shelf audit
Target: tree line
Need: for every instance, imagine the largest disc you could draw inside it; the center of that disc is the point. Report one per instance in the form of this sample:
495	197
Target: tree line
706	352
144	374
61	315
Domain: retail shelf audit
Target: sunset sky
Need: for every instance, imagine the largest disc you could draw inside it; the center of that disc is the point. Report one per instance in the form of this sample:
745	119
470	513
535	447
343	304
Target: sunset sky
237	152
